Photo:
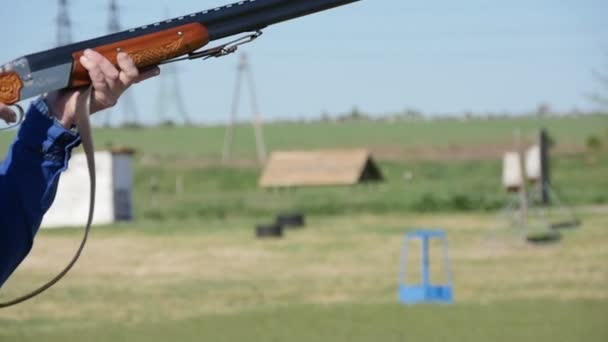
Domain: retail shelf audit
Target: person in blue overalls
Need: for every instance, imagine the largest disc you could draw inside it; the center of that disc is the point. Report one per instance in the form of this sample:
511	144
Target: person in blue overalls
40	153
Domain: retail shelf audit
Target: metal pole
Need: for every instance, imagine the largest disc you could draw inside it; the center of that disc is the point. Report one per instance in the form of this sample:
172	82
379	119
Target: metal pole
446	260
244	70
425	261
523	190
403	273
545	165
64	24
229	137
257	117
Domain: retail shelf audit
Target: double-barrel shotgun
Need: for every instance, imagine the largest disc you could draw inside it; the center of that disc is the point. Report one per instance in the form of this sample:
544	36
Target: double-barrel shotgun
151	45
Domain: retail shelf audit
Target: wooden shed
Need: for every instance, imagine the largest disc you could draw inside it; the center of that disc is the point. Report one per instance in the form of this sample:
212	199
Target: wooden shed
319	168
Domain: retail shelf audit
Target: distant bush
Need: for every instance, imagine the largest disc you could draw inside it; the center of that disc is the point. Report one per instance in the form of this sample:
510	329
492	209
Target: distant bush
462	203
456	202
600	199
593	143
132	125
551	141
167	123
427	203
153	214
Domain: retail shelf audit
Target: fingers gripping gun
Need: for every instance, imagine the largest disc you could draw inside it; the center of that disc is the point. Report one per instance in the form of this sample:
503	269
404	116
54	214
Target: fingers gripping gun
151	45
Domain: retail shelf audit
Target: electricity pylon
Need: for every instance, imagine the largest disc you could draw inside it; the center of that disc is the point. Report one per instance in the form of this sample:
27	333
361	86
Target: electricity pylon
126	103
64	24
170	93
244	71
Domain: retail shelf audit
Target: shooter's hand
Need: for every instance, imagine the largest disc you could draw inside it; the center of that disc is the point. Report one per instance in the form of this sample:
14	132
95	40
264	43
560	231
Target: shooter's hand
109	83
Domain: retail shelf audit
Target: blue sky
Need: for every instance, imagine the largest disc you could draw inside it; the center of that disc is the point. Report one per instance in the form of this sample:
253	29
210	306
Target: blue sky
381	56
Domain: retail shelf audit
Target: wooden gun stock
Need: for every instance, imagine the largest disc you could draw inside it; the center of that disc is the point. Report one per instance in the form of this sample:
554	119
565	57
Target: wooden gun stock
146	51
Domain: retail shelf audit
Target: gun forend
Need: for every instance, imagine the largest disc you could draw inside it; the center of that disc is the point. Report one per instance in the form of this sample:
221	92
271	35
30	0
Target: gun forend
147	50
18	81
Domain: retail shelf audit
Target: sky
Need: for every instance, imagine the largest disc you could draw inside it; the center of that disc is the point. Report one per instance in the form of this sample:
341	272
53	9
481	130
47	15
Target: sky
380	56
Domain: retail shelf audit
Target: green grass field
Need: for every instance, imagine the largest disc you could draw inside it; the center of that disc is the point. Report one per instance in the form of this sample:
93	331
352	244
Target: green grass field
444	165
336	280
189	269
394	139
215	191
520	321
450	165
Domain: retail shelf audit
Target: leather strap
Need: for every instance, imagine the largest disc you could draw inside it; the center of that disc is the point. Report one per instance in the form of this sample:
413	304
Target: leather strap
83	124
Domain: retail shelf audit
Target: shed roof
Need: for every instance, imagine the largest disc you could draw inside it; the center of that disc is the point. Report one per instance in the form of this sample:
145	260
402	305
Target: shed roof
318	168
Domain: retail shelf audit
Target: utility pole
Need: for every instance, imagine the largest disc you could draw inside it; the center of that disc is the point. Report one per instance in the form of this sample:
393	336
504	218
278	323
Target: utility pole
244	70
64	24
523	190
170	92
545	167
127	103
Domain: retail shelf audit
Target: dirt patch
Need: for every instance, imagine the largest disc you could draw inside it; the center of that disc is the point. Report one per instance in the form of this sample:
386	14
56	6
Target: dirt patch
188	163
452	152
457	152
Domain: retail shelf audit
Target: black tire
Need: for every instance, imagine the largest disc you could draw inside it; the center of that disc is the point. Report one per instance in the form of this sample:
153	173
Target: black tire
291	220
269	231
544	237
566	224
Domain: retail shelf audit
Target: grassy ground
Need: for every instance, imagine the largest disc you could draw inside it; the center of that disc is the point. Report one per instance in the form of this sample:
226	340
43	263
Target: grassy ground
392	138
333	281
188	268
513	321
433	186
441	165
388	140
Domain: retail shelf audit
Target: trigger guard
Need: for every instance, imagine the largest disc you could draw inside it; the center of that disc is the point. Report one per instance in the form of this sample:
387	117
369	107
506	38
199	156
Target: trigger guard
20	114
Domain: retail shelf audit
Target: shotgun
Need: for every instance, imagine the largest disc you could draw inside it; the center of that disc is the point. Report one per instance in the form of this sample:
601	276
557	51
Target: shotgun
151	45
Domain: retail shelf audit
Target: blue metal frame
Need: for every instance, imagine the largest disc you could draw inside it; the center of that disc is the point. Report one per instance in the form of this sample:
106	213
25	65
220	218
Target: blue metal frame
425	292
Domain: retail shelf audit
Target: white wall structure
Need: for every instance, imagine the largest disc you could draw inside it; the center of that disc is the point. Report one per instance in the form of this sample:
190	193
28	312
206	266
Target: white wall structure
533	163
511	171
113	200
